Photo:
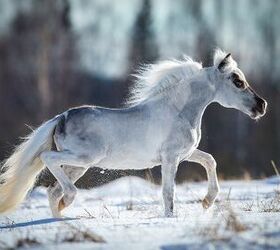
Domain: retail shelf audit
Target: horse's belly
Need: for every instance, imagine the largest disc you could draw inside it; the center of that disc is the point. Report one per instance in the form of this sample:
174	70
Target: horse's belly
123	161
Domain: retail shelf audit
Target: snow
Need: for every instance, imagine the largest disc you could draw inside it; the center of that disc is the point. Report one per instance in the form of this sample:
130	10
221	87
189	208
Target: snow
127	214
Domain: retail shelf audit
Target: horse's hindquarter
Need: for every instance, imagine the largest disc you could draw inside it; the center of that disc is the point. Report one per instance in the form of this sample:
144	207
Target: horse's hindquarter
118	138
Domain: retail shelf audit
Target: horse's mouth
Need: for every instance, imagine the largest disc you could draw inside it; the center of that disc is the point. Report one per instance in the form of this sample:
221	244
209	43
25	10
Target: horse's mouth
259	109
257	113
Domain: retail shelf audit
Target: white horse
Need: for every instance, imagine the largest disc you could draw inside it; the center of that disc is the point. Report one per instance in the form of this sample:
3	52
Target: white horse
160	125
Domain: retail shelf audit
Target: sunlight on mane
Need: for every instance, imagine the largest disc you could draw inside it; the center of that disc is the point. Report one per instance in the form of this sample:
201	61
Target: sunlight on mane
153	79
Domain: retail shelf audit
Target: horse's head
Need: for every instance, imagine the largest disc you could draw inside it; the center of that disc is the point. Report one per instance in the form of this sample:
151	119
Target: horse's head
233	91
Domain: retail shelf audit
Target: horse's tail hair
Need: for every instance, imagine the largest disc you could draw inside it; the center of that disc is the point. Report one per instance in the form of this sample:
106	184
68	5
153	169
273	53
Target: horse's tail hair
22	167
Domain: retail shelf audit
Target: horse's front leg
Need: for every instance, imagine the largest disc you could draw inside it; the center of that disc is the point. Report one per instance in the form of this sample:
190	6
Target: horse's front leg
209	163
168	172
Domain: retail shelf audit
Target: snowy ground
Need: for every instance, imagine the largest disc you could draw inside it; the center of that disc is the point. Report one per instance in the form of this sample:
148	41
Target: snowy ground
127	214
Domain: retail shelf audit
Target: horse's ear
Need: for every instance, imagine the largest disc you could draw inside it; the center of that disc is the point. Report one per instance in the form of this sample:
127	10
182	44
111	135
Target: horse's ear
225	62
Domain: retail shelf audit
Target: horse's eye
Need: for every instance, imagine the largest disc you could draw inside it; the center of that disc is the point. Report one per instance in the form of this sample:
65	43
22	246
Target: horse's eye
239	84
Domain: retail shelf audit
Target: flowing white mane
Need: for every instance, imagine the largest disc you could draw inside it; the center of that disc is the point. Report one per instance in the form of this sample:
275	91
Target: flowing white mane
157	78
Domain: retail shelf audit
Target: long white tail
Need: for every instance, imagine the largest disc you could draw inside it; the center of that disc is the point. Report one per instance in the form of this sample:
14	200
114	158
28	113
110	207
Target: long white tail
22	167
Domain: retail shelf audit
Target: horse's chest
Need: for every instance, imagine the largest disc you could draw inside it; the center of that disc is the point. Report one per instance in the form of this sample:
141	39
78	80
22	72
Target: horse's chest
192	139
196	136
190	136
182	142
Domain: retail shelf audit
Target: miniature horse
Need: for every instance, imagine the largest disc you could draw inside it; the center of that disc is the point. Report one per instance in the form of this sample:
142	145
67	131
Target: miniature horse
160	125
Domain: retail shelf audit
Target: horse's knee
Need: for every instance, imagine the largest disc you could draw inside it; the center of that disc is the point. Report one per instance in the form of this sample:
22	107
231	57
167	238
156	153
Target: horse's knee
211	162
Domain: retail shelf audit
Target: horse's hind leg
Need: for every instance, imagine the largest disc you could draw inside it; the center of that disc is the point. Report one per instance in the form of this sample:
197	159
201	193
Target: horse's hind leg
55	192
53	160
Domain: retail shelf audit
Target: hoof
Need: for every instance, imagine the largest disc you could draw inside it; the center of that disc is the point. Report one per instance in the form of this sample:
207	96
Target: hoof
168	214
61	205
66	201
206	204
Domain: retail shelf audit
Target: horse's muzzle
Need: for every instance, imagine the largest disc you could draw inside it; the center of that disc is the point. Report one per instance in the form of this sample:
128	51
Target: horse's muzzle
260	108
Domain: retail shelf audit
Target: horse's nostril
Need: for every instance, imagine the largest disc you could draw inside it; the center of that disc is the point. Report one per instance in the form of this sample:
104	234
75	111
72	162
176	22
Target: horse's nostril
264	104
260	104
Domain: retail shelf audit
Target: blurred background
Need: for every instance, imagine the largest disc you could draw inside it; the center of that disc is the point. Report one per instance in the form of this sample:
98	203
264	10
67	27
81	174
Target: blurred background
56	54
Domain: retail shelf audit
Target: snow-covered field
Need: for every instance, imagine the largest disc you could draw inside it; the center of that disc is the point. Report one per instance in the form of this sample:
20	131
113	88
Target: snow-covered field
127	214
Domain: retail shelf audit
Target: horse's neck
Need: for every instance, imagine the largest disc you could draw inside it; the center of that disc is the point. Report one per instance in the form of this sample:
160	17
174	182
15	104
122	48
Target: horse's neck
195	97
188	100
